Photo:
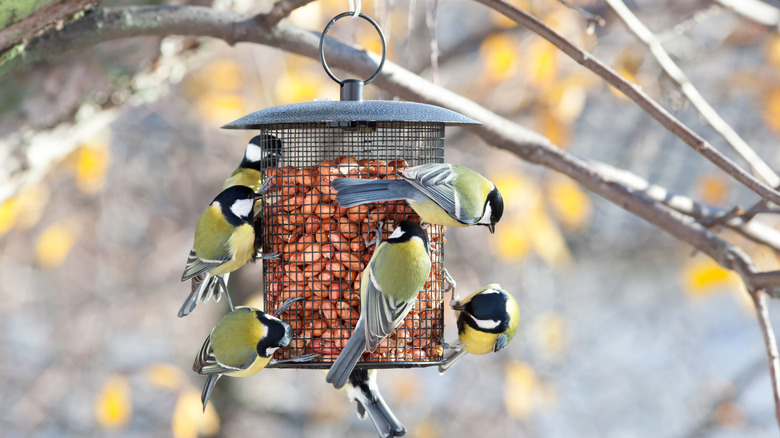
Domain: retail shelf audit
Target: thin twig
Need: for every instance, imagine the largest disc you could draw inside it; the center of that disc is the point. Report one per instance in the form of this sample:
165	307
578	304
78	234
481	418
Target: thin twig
635	93
740	146
770	343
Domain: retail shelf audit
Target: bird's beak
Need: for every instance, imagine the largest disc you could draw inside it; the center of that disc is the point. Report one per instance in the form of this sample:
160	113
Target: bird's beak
492	228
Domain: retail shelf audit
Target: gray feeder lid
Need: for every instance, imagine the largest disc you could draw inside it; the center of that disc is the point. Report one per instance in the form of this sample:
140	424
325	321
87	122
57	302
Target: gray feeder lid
328	111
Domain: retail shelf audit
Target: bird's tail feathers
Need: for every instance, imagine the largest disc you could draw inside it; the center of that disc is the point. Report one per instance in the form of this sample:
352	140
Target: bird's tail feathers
451	358
385	423
348	358
357	191
207	388
204	287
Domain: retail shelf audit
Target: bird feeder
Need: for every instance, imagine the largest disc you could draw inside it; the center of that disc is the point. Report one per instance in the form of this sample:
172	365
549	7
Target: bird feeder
323	248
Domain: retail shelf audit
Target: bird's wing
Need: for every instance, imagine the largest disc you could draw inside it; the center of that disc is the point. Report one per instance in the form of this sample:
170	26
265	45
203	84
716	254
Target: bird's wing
207	364
383	313
197	266
436	180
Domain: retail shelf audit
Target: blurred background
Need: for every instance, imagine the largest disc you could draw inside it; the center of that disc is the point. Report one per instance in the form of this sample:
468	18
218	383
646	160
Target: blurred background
625	332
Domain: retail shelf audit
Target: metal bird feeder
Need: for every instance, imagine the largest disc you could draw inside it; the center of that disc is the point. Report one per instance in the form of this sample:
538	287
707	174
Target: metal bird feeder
324	248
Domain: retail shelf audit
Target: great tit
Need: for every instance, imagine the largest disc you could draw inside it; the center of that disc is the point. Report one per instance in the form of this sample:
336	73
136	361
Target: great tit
487	321
444	194
362	389
224	242
389	286
263	151
242	344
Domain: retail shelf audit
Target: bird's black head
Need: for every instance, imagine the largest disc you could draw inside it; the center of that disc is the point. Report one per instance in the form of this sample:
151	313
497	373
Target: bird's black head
496	204
262	152
237	204
486	312
406	230
278	334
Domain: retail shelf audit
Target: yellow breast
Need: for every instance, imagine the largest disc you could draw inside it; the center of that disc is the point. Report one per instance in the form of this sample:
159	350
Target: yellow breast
431	213
477	342
242	246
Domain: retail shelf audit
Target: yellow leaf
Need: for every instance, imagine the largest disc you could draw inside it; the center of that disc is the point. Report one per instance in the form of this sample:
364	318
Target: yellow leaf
300	86
54	243
550	330
221	107
92	167
773	50
501	53
524	392
567	98
32	202
164	375
702	276
541	62
569	202
547	239
772	109
9	211
713	188
558	132
519	196
113	405
189	418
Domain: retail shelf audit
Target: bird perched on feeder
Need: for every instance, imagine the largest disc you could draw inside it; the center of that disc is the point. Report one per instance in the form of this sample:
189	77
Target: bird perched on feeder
224	242
263	151
363	390
444	194
487	321
389	286
242	344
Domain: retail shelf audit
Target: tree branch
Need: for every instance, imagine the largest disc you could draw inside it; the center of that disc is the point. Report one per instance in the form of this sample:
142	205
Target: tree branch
740	146
755	10
635	93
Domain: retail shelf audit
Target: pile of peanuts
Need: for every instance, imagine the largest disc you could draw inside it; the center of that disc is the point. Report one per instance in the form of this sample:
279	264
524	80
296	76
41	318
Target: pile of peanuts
323	249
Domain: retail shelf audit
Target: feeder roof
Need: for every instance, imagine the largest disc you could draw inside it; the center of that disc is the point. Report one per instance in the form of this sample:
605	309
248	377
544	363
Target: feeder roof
351	111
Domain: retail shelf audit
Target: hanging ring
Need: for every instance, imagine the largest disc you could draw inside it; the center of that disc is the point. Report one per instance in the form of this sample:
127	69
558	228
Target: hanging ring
322	46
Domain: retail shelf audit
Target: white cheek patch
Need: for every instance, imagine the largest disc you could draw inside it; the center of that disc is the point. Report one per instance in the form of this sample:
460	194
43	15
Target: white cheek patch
486	216
486	324
242	207
253	152
398	232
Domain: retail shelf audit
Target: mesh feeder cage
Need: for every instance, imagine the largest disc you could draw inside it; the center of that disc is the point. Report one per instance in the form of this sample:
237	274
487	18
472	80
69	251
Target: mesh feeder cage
324	248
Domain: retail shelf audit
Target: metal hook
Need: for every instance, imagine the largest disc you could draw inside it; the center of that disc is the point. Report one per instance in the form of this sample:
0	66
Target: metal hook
322	46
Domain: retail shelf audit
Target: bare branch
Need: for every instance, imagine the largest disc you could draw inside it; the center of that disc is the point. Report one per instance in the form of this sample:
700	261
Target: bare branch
759	166
44	17
755	10
635	93
280	10
755	231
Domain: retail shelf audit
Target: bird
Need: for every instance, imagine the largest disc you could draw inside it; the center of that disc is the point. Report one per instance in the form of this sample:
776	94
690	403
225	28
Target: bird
389	286
487	321
242	344
262	152
440	193
361	388
224	241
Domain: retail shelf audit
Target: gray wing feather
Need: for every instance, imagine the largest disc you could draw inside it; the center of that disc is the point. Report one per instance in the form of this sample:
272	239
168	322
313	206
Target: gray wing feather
383	313
196	266
350	355
435	181
357	191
